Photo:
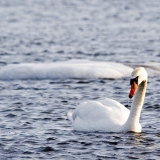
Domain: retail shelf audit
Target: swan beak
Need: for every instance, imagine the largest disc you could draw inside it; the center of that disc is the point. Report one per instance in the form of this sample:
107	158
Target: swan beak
133	89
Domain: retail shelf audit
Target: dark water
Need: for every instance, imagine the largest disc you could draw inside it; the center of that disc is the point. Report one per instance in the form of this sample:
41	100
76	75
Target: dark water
33	121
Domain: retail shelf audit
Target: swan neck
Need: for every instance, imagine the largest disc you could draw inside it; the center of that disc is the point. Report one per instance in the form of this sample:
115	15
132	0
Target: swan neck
137	103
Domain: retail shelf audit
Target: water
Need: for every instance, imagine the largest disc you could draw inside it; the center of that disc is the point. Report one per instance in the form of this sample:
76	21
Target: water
33	121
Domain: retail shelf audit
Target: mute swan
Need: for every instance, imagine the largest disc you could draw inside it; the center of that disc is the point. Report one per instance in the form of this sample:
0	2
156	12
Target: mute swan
109	115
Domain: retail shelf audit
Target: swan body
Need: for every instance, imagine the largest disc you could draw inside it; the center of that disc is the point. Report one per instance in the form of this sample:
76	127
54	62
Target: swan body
105	115
109	115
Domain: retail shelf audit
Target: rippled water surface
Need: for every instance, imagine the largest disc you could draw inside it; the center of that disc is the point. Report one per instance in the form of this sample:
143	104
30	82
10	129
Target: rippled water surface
33	121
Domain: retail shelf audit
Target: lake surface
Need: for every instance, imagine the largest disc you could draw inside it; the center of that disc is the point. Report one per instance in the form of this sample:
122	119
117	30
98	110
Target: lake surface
33	111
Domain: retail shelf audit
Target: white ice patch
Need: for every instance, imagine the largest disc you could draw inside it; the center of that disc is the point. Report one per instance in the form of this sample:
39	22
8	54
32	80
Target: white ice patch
81	69
152	68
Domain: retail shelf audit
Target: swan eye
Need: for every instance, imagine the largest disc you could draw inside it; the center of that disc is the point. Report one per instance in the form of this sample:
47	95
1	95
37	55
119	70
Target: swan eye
134	80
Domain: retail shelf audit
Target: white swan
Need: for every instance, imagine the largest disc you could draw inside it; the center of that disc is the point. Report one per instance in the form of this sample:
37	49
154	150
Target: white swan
109	115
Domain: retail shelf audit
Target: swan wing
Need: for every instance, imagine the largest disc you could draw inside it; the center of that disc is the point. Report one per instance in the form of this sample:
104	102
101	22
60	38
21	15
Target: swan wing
120	112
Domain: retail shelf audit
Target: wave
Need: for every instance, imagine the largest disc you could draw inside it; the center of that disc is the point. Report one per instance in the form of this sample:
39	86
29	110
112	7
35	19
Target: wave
79	69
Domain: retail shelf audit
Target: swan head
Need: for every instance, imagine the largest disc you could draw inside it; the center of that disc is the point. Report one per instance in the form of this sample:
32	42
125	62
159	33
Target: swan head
137	77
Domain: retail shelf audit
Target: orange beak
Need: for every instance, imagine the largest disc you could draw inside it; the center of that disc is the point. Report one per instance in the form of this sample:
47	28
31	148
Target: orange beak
133	89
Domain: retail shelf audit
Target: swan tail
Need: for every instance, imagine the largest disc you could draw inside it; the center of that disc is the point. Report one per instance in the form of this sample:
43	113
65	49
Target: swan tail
69	115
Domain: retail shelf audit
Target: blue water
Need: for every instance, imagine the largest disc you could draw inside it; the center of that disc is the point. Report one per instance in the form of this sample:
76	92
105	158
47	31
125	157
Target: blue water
33	121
